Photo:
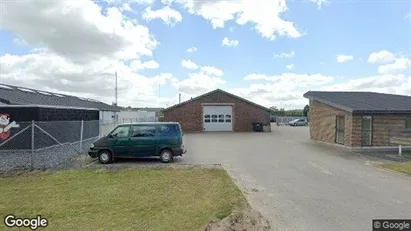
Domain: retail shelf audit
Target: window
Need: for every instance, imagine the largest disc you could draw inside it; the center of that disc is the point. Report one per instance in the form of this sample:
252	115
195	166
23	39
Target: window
143	131
214	116
214	120
339	133
228	120
228	116
121	132
207	116
207	121
169	130
221	120
408	123
221	116
366	131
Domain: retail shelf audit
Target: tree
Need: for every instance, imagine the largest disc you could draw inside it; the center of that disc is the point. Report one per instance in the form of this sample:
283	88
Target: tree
306	110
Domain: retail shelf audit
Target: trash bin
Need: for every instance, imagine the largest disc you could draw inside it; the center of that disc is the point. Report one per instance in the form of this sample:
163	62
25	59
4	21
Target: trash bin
258	127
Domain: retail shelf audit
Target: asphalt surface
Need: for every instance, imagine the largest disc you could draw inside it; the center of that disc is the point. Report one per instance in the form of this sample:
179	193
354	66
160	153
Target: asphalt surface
302	185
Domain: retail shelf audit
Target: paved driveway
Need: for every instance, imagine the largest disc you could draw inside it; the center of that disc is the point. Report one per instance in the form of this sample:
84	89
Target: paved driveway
300	185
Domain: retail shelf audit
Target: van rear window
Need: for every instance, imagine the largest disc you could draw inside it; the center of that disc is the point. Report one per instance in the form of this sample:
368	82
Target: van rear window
168	130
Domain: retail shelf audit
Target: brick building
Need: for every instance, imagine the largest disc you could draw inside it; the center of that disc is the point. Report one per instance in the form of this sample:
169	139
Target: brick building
359	119
217	111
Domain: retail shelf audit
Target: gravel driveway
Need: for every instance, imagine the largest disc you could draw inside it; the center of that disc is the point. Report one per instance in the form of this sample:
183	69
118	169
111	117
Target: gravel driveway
302	185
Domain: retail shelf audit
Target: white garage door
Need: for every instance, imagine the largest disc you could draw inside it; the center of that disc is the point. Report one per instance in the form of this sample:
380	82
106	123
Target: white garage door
217	118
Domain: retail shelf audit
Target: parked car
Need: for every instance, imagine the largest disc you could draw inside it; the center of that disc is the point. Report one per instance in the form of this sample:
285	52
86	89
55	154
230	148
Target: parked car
162	139
298	122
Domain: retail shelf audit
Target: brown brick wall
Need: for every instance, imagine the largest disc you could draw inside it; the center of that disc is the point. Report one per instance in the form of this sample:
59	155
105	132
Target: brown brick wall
323	122
384	127
190	115
323	119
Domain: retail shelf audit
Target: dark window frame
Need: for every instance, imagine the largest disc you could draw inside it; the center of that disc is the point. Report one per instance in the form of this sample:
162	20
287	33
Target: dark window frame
371	131
339	130
408	123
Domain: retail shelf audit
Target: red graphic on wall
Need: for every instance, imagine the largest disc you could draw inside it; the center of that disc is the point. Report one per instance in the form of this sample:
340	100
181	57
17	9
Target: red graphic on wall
5	126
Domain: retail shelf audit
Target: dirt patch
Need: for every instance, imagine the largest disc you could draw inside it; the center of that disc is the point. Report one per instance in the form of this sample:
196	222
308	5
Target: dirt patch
246	220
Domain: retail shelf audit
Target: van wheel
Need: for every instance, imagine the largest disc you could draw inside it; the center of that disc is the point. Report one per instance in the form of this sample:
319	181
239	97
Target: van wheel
104	157
166	156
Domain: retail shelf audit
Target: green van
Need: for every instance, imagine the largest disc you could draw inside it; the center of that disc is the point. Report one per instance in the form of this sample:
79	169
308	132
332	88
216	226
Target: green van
163	139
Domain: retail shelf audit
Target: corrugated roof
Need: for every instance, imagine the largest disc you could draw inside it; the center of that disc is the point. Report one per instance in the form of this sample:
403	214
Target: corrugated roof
213	92
14	95
363	102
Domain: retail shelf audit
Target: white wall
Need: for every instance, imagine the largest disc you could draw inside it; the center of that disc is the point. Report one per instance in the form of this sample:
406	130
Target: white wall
107	117
136	116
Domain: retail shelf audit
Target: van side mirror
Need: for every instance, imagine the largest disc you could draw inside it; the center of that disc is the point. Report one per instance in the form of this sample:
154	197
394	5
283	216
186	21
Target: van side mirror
112	135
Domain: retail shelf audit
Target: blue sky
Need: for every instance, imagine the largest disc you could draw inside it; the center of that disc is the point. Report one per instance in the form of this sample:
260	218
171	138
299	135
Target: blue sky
317	35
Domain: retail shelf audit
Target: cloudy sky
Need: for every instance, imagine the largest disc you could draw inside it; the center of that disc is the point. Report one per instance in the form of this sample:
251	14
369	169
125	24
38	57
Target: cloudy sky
267	51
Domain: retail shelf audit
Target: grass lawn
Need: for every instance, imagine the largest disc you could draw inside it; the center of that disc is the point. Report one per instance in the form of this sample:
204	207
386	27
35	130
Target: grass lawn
400	167
128	199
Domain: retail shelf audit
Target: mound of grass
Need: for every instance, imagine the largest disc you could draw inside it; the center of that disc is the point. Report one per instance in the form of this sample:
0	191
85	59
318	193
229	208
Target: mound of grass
400	167
128	199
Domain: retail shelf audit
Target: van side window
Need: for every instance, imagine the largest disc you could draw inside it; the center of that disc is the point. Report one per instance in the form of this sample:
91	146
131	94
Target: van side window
121	132
143	131
169	130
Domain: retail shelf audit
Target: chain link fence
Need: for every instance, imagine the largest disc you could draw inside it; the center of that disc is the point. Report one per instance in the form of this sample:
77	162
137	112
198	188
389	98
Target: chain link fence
284	120
45	144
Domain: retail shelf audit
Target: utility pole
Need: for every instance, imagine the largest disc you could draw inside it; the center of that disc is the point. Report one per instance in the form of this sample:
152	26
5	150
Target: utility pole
116	98
116	90
158	101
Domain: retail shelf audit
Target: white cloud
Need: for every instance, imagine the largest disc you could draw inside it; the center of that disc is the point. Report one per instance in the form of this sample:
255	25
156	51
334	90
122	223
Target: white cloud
381	57
344	58
285	55
126	7
138	65
198	83
168	15
285	90
210	70
119	2
52	72
230	43
192	49
189	64
320	3
383	83
400	65
293	79
167	2
77	30
290	66
265	16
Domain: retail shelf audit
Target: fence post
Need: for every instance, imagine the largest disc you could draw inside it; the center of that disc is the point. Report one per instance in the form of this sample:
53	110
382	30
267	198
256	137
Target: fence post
32	146
81	135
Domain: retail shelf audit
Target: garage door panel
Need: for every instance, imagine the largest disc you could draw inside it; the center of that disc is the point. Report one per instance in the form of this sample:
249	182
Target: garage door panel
217	118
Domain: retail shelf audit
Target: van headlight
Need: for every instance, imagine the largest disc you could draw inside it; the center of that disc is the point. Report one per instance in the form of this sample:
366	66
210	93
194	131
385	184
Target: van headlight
92	146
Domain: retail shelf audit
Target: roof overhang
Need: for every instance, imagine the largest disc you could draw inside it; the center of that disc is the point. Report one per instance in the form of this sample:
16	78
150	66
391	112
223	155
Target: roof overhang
356	112
212	92
321	100
48	106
